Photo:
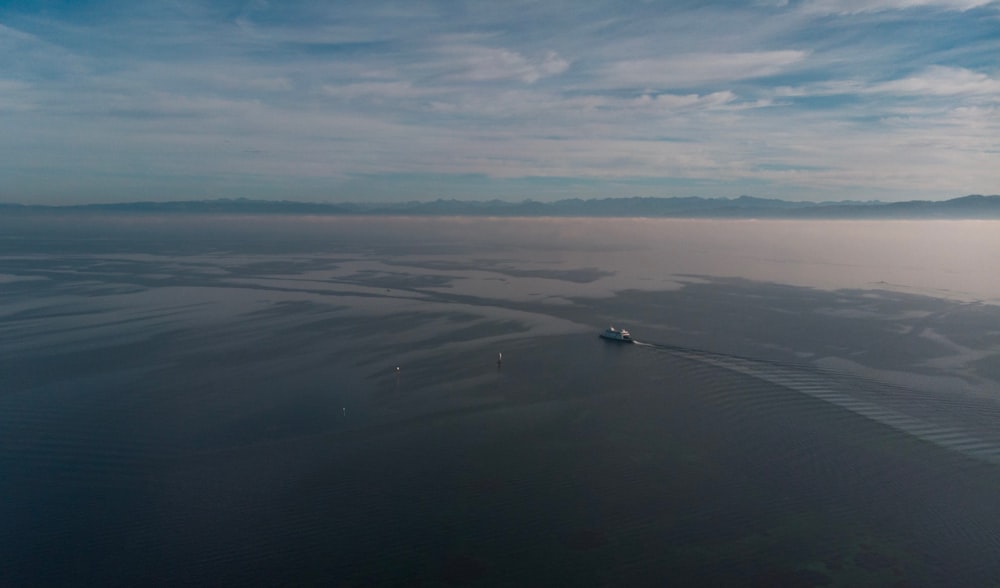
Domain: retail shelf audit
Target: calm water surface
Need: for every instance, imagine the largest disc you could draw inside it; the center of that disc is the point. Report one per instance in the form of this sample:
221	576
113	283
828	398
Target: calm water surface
296	400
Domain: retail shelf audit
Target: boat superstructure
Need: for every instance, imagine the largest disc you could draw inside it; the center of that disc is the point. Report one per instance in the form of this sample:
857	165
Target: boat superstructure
617	335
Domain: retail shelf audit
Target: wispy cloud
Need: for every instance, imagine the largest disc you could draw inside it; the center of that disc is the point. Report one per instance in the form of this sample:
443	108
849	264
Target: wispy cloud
863	6
375	90
477	63
934	81
944	81
697	69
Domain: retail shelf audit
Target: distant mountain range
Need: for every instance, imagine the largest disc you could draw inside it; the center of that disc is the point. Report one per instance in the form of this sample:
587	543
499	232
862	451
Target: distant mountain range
966	207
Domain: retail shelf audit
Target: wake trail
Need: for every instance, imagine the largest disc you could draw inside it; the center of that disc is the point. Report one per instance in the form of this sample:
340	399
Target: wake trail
842	390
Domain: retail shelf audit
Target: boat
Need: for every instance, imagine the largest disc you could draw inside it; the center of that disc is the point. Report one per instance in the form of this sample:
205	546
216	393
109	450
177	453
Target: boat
617	335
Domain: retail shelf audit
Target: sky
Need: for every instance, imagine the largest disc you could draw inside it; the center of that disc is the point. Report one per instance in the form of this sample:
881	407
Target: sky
113	101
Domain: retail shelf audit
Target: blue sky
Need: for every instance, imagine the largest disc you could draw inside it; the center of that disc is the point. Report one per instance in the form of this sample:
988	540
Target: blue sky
362	101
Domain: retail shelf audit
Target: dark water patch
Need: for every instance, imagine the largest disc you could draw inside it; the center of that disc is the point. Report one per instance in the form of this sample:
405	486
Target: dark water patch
463	569
92	333
790	578
481	330
287	310
508	268
685	470
53	365
586	539
96	289
399	281
283	266
51	311
871	560
987	367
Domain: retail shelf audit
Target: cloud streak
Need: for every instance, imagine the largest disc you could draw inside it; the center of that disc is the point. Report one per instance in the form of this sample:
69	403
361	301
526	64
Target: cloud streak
697	69
943	81
849	7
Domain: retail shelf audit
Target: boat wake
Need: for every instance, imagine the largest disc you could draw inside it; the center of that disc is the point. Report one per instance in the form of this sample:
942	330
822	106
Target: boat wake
846	391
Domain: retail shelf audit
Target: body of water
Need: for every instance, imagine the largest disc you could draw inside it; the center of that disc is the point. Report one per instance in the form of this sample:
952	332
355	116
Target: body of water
305	400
